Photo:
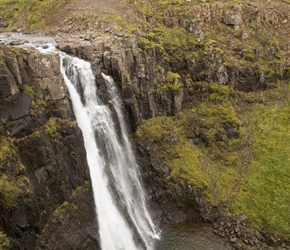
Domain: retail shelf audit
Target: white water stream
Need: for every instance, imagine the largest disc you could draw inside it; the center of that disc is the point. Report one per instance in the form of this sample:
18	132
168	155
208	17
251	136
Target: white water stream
124	221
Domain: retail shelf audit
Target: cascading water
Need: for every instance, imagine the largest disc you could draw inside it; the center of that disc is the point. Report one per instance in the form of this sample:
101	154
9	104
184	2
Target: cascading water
124	221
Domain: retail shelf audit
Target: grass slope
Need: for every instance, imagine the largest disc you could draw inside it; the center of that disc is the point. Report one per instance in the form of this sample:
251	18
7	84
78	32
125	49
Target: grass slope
249	172
265	196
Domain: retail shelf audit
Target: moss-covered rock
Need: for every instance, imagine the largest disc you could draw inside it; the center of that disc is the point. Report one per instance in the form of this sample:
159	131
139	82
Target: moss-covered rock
73	224
235	153
41	159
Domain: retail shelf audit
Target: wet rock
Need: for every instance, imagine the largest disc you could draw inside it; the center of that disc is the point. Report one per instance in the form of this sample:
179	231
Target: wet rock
17	42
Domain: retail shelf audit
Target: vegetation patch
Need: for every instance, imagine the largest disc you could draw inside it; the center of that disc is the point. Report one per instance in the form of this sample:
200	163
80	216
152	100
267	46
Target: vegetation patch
176	151
172	77
29	91
264	197
70	213
172	87
31	13
5	148
147	44
53	125
13	181
172	82
4	240
9	192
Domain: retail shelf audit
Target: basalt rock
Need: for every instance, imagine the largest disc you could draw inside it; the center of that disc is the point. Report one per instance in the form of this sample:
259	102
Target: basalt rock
42	157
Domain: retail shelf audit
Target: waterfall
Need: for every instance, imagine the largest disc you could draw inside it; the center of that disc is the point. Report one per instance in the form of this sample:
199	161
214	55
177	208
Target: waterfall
124	221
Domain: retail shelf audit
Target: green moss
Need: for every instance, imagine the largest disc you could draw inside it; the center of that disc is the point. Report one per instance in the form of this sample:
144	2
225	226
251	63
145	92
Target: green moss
63	214
223	113
29	91
132	27
221	90
248	55
9	192
211	42
145	9
170	2
147	44
53	125
172	77
264	197
13	183
5	148
183	159
220	51
23	182
172	87
4	240
159	68
171	81
155	130
176	39
64	204
218	109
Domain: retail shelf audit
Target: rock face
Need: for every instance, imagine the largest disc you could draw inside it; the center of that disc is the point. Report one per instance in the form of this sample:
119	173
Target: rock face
43	163
233	17
138	78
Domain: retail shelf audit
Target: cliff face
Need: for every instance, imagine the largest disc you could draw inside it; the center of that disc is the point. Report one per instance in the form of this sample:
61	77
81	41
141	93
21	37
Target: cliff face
205	88
43	162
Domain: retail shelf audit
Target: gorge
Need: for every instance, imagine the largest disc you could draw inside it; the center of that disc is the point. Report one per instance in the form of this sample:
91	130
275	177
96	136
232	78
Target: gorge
205	88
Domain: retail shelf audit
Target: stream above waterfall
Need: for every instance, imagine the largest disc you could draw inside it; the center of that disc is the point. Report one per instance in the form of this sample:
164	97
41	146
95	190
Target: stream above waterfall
19	39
